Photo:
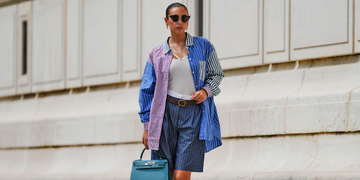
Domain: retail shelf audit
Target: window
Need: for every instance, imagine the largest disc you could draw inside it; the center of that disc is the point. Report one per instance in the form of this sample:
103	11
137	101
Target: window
24	48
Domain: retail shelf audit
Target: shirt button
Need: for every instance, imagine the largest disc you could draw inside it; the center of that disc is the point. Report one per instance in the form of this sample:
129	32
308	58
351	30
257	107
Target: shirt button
201	125
203	111
193	72
195	86
190	59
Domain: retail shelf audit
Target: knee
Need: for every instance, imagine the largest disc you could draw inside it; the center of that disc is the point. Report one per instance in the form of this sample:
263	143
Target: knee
178	177
182	175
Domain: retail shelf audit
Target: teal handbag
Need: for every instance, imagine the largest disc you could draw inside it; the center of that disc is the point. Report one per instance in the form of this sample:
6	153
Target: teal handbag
150	169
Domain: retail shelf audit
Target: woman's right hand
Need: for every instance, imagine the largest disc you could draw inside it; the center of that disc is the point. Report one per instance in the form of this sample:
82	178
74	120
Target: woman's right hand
145	139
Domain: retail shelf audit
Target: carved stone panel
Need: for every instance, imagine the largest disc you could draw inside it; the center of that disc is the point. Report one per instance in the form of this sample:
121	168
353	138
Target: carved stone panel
73	46
8	29
24	55
357	26
321	28
276	31
131	42
101	55
48	45
235	29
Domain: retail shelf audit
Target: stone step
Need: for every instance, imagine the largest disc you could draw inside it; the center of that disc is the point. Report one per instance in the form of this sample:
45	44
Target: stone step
318	156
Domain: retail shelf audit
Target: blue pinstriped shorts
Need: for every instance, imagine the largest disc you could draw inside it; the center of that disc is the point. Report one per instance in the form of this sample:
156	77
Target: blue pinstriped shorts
179	140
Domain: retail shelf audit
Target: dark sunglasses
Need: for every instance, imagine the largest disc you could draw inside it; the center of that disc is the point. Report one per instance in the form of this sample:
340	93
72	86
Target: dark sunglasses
184	18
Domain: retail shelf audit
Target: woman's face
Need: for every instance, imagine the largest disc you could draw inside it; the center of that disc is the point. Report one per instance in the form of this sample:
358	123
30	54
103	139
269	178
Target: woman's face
178	27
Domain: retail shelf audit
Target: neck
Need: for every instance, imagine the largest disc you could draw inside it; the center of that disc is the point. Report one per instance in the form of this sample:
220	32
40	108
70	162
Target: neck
178	38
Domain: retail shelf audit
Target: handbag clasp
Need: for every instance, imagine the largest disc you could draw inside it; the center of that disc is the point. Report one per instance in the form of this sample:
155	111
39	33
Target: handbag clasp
149	163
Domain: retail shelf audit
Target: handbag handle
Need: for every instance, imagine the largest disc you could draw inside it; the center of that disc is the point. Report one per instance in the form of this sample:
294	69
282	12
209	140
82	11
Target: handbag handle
144	151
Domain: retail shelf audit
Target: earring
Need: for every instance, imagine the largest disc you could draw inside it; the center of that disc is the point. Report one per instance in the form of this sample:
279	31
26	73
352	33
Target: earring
167	27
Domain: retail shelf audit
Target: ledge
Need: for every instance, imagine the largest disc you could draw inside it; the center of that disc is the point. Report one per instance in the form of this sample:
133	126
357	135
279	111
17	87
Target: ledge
310	157
10	2
312	100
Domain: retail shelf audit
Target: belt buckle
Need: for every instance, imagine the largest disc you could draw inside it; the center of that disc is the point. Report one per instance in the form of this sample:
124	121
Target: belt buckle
180	103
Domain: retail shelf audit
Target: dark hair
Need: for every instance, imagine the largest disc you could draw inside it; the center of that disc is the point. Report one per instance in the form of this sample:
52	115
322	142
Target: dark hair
177	4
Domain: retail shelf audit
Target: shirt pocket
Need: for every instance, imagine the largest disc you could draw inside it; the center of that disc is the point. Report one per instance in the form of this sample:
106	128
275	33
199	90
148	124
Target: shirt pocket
202	70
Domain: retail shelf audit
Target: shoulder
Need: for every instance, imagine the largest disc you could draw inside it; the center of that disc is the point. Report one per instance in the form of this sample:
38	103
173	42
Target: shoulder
156	52
201	40
203	43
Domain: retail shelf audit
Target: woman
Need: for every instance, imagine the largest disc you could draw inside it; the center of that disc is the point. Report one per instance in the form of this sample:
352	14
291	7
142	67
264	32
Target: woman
176	97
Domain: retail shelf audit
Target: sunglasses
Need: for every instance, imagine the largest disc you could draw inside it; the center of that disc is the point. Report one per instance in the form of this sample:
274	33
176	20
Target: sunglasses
184	18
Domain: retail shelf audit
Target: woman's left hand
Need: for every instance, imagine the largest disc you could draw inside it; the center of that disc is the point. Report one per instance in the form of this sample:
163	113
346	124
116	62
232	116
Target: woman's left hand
199	96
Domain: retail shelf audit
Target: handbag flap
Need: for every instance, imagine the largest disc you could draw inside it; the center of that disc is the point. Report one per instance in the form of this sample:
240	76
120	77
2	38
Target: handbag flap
150	164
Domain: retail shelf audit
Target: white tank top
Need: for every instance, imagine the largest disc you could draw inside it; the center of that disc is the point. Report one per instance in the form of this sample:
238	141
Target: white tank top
181	83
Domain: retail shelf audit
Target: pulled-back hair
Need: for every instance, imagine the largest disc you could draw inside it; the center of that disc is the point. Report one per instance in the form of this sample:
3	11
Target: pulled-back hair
177	4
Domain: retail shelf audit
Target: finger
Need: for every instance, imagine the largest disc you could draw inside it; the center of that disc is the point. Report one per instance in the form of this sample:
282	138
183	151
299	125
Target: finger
195	97
200	101
146	145
198	95
145	139
201	96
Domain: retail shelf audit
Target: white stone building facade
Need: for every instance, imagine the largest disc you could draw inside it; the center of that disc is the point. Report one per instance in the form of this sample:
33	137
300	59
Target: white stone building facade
70	71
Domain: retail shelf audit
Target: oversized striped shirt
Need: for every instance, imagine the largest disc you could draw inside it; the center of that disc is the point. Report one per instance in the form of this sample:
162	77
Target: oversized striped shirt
207	74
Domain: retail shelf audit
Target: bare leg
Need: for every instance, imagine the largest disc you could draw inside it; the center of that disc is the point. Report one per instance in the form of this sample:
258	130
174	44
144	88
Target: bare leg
181	175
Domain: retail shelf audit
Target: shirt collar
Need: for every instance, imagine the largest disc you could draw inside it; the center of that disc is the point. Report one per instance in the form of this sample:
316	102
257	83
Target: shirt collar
189	42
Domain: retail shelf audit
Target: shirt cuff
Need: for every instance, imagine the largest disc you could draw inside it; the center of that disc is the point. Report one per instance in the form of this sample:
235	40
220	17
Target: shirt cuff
146	125
208	91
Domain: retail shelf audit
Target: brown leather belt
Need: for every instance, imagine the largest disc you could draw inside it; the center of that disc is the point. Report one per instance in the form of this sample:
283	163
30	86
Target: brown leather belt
180	102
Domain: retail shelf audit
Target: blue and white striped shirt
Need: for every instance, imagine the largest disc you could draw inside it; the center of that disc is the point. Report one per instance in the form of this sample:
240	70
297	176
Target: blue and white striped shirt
207	74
